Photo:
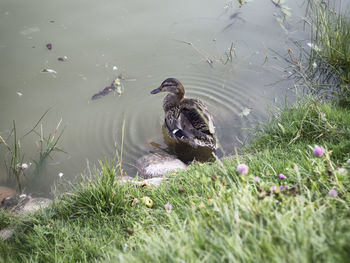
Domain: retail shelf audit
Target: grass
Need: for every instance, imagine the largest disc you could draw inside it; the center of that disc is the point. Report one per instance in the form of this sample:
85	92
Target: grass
218	215
307	122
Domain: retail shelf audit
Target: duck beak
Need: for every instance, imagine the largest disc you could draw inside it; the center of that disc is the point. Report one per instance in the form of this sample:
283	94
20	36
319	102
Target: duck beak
157	90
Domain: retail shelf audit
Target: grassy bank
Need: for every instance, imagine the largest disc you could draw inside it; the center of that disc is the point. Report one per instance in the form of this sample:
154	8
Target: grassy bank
217	214
291	206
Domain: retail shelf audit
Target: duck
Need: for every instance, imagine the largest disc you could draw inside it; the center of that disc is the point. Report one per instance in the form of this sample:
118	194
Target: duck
186	120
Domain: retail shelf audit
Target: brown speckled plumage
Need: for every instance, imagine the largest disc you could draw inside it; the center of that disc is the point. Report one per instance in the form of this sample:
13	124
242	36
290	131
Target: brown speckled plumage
186	120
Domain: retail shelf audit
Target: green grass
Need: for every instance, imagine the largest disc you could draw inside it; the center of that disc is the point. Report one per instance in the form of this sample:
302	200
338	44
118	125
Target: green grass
307	122
218	215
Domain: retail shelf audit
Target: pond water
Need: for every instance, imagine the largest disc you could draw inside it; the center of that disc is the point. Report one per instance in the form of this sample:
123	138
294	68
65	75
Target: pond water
146	42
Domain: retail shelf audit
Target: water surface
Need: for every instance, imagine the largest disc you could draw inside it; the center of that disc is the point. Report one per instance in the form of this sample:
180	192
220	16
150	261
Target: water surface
146	42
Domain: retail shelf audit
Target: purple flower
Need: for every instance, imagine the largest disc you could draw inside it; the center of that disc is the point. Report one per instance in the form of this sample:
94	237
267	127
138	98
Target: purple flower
256	179
242	168
273	188
318	151
342	170
333	192
287	186
281	187
282	176
168	207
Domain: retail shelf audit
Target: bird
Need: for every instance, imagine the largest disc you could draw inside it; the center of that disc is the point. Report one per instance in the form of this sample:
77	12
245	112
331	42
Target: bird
186	120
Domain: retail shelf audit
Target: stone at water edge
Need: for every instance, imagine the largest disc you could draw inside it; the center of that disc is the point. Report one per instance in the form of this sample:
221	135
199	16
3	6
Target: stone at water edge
21	206
6	192
33	205
7	233
24	204
158	164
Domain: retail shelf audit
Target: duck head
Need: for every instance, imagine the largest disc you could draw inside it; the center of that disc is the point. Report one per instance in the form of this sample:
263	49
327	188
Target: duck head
171	85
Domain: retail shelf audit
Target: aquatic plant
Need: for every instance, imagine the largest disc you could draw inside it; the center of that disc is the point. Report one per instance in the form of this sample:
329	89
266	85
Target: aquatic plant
16	167
329	59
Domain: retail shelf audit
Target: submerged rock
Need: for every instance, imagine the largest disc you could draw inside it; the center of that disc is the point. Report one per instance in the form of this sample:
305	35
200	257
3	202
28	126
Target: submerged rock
158	164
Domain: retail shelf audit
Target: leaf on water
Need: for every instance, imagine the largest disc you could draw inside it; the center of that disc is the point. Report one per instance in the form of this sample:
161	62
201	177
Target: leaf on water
245	112
49	46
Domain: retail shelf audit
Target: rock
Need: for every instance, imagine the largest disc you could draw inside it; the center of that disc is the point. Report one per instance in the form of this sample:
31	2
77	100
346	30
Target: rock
6	192
24	204
32	205
7	233
158	164
156	181
21	205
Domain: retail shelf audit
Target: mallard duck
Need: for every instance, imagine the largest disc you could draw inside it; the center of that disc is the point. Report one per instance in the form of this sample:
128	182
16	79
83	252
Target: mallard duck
186	120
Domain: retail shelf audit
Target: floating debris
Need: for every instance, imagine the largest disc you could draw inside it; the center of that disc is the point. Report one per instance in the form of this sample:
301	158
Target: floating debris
19	94
29	30
102	93
314	47
115	68
281	5
276	3
49	46
245	112
64	58
60	175
47	70
199	51
23	166
235	15
116	85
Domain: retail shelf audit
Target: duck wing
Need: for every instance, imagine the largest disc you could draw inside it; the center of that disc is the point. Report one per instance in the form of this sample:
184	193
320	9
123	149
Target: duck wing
195	119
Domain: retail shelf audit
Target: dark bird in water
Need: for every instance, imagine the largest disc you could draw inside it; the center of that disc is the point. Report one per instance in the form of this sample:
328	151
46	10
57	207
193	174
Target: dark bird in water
186	120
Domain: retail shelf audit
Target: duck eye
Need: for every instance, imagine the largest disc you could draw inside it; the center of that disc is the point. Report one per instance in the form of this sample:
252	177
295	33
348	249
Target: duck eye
168	84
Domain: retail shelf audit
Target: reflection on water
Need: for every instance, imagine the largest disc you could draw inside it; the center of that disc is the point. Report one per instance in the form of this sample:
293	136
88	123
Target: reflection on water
94	42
